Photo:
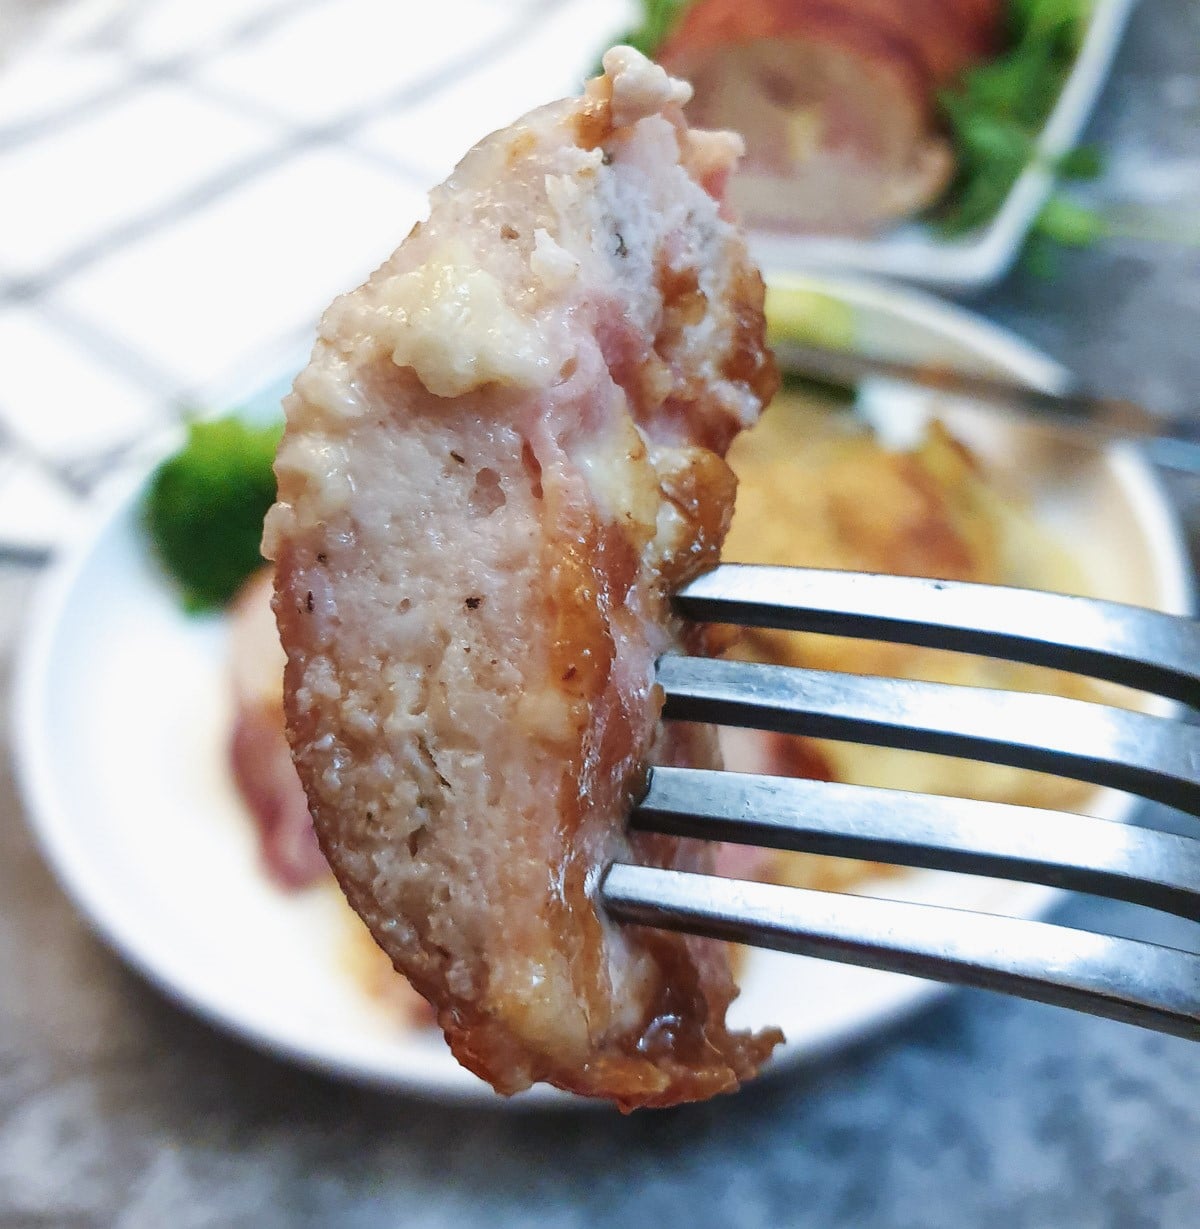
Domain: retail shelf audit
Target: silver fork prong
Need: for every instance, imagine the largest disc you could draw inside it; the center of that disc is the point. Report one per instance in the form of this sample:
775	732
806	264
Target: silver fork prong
1139	983
1146	867
1153	756
1145	649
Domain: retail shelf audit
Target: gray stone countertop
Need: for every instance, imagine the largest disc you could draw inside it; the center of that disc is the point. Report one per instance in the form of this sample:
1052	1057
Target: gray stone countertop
119	1109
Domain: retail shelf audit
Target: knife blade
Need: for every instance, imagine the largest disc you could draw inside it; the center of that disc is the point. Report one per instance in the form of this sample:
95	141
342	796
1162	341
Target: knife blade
1170	441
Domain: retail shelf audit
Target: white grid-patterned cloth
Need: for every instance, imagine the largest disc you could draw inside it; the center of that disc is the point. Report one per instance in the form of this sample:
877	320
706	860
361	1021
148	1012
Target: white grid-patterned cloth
185	184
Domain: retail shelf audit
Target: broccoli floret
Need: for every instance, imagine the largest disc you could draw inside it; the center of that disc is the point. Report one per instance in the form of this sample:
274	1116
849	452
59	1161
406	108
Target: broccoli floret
205	506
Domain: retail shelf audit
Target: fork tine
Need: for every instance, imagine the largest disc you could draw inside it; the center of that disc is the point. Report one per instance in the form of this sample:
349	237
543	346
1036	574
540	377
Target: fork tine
1153	756
1140	648
1156	869
1139	983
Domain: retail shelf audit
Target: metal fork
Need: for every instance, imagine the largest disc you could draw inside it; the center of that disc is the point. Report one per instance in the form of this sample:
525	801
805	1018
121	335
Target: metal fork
1156	756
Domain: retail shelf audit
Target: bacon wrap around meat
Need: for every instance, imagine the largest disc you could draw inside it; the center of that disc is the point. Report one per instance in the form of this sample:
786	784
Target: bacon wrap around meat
259	755
835	100
504	455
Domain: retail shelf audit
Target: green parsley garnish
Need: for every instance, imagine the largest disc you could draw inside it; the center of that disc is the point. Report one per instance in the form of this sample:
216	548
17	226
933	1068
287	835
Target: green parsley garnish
1065	221
658	20
205	506
997	112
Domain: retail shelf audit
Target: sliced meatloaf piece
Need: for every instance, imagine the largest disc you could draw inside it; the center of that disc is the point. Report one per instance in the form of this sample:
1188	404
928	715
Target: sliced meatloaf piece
504	455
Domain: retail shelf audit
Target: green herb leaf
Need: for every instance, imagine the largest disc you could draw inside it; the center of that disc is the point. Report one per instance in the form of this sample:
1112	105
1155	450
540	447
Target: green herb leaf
658	20
997	111
1086	162
1069	223
205	506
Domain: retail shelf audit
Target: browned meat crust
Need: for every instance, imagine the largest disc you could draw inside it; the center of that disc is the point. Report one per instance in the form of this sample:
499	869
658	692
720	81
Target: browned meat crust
505	453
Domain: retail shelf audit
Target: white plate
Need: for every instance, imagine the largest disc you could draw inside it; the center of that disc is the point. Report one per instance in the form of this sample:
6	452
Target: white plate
120	734
915	251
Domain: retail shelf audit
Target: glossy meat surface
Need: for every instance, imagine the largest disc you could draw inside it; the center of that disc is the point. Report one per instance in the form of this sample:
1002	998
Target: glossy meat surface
504	455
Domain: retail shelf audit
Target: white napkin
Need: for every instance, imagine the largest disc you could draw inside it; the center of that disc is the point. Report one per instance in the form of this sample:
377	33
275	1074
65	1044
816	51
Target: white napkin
184	187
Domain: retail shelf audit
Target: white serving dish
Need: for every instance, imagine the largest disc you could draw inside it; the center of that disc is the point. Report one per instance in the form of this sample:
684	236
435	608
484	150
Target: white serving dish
121	721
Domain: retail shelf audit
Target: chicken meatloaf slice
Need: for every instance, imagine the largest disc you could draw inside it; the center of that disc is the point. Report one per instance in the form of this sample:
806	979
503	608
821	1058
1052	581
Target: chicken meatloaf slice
504	455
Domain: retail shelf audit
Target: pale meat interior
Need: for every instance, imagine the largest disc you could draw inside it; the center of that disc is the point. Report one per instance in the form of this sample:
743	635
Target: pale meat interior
503	456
